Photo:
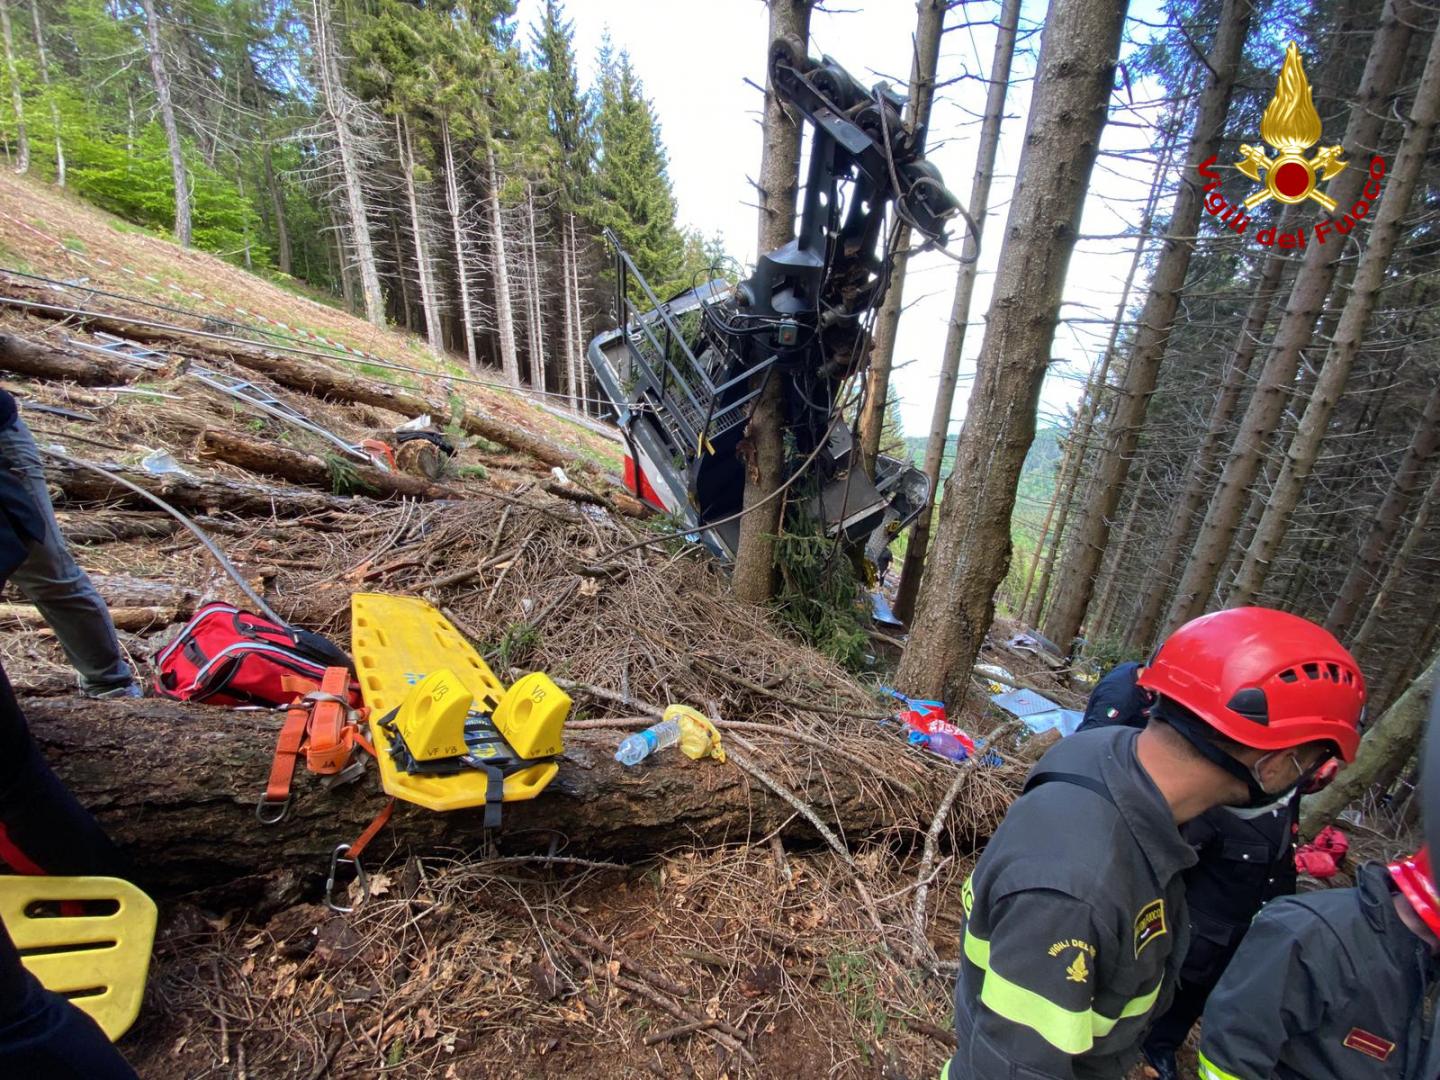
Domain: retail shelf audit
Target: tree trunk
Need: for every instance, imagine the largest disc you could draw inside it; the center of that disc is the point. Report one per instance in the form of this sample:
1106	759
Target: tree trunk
37	361
347	279
567	330
339	107
457	236
424	271
582	364
277	200
22	137
1391	742
45	82
928	29
1152	336
1096	387
1365	570
271	459
504	314
1075	74
919	543
178	171
535	316
1109	595
753	578
407	305
1396	571
187	818
1354	321
1141	634
1307	298
209	496
1062	478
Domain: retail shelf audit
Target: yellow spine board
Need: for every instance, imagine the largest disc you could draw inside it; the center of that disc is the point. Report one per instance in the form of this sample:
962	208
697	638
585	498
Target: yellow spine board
397	641
104	958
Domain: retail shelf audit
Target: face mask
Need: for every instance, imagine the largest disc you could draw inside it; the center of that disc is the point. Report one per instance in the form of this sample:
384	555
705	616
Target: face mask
1257	809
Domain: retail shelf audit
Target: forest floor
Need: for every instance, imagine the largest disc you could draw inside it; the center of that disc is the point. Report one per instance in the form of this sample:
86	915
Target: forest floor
749	958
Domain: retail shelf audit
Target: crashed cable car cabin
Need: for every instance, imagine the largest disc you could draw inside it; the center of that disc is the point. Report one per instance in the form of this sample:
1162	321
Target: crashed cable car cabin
685	373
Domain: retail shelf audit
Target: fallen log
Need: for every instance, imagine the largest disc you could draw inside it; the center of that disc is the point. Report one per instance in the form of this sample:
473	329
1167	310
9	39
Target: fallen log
271	459
195	496
37	361
115	526
320	380
615	503
133	620
176	785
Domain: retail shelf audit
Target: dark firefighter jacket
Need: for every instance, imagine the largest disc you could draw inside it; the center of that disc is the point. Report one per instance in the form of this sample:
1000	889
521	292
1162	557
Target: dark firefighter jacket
1242	864
1326	986
1117	699
1074	920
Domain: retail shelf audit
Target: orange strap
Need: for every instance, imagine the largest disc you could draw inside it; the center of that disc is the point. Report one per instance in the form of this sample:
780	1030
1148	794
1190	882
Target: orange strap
371	831
331	725
322	724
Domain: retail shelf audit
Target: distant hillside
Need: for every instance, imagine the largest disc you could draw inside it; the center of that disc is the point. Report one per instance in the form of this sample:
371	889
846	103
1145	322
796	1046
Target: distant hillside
1037	478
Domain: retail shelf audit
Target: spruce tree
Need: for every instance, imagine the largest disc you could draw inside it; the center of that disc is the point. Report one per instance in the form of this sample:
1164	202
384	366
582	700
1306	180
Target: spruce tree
632	184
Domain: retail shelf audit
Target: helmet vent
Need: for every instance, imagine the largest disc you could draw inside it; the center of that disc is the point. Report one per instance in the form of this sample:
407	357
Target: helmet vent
1251	704
1288	675
1312	670
1334	672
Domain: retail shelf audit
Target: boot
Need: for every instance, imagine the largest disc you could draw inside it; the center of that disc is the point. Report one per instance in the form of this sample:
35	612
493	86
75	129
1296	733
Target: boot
1162	1064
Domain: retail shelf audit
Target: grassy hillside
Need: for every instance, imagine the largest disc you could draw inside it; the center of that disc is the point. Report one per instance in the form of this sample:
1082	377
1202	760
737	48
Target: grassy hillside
55	234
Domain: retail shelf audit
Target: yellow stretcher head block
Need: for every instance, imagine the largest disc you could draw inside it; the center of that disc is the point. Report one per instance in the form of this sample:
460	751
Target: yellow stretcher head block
532	714
432	716
101	959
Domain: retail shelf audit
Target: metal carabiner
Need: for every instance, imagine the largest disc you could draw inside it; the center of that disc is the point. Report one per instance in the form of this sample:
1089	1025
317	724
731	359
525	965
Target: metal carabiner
337	857
269	812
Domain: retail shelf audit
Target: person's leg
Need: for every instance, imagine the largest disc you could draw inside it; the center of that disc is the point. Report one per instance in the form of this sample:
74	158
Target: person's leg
43	827
43	1035
1197	980
1169	1032
50	579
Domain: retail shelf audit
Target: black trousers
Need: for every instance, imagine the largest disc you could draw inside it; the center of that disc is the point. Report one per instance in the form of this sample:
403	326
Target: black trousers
43	829
1168	1033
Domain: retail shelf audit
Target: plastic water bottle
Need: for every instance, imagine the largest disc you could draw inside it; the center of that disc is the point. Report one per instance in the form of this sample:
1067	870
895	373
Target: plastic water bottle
636	748
942	743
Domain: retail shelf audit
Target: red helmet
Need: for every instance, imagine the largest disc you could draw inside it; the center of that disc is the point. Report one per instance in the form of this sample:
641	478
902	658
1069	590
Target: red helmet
1266	679
1413	878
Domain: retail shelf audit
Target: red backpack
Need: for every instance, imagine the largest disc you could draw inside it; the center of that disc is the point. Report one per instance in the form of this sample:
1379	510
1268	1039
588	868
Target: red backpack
226	656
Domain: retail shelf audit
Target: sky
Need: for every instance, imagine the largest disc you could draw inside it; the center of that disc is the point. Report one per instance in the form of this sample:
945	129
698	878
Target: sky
697	58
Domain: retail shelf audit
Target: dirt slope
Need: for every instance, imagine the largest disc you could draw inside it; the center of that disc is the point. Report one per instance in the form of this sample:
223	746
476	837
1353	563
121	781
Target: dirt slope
54	234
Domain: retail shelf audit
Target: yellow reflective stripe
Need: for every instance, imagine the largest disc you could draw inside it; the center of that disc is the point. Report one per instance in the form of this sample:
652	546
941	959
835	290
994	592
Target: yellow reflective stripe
1210	1071
1069	1030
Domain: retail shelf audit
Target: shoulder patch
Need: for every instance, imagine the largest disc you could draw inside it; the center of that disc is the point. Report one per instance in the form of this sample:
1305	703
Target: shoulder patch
1150	924
1078	971
1369	1045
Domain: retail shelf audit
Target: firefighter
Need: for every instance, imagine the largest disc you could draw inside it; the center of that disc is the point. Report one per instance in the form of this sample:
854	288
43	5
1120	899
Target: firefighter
49	577
1245	861
43	830
1074	919
1334	984
1118	698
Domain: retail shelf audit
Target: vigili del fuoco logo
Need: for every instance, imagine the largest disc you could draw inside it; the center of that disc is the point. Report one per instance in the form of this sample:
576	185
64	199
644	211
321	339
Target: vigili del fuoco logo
1290	126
